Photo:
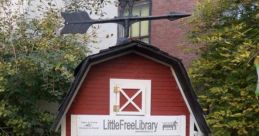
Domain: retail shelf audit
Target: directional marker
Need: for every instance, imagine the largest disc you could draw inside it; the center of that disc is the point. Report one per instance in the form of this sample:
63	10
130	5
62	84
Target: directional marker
79	22
75	27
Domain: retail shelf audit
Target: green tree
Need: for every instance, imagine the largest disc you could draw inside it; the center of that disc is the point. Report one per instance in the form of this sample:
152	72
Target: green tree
36	66
224	75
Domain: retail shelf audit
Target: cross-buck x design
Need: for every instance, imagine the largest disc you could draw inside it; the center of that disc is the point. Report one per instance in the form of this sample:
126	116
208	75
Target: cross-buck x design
130	100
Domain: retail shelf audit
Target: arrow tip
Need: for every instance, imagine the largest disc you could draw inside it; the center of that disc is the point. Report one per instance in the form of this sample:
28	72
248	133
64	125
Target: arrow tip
176	15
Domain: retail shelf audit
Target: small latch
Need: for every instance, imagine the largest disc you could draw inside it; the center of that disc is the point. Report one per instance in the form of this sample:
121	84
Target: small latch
116	89
116	108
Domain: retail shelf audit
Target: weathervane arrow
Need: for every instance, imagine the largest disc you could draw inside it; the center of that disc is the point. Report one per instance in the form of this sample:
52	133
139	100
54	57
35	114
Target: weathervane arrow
79	22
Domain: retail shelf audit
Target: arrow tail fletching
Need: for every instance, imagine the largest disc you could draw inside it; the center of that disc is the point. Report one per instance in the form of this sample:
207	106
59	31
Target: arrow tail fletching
74	28
75	16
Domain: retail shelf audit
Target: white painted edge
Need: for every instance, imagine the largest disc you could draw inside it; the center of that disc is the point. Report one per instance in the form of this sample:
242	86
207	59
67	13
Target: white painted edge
78	87
73	125
192	131
185	99
148	57
191	125
179	85
81	81
180	88
144	85
172	70
63	127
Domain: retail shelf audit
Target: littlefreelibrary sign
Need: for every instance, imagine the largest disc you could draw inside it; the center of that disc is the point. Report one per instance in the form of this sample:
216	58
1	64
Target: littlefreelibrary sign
132	89
103	125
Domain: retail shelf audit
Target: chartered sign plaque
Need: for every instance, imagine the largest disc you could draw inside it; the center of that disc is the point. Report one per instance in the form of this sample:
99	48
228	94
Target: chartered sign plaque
104	125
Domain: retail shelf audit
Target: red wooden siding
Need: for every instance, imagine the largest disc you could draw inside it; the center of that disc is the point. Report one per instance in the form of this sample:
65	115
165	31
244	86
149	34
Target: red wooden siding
137	100
93	96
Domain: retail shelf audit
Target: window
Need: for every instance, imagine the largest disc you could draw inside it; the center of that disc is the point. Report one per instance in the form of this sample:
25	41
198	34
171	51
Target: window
138	30
130	97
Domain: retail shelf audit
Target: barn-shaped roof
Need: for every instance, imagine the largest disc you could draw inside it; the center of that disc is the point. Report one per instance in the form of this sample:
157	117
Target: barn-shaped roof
148	51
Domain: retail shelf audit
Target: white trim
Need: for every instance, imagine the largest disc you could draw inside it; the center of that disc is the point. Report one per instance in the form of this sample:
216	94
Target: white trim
81	81
199	132
63	127
89	67
98	125
74	95
185	99
73	125
148	57
112	57
144	87
192	125
130	100
141	54
178	84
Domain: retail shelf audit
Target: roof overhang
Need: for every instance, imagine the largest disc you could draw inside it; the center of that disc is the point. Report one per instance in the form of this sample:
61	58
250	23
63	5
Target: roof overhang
148	51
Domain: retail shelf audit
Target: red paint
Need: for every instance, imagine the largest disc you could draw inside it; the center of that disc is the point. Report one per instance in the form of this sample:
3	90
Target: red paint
136	100
93	96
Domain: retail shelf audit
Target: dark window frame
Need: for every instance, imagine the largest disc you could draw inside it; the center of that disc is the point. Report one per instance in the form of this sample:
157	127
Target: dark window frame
137	3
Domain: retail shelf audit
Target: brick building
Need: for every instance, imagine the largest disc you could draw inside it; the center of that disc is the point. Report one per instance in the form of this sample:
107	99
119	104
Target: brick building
121	88
170	37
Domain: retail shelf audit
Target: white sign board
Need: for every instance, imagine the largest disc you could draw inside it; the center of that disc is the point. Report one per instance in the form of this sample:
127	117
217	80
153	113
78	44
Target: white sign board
104	125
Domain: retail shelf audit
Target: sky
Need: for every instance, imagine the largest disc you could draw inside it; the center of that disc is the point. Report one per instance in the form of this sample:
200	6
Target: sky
34	10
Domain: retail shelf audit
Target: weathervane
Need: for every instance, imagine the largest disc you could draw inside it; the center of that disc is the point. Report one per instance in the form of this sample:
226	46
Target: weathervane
79	22
126	4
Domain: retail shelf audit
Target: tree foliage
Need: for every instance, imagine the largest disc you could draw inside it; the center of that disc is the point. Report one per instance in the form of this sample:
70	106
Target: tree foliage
36	65
224	75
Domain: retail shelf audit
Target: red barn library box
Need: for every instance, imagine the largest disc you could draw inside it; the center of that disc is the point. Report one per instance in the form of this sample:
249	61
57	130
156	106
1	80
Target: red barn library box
132	89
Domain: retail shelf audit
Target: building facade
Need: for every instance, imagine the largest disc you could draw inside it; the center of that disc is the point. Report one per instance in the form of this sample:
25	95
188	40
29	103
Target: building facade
170	37
136	89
